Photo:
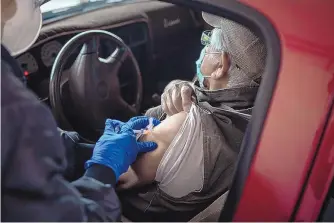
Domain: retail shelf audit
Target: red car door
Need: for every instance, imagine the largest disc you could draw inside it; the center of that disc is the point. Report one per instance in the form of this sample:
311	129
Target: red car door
292	166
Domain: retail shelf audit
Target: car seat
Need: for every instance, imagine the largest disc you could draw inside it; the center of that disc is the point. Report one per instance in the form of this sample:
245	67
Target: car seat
209	214
212	212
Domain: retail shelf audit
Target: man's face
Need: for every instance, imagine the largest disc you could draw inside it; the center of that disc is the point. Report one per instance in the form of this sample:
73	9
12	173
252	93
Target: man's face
212	61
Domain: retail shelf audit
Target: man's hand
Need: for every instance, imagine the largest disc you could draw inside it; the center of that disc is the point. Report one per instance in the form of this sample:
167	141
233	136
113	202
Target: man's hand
177	97
128	180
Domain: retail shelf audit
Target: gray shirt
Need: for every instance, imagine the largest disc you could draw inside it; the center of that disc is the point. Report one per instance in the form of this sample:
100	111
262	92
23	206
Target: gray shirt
33	162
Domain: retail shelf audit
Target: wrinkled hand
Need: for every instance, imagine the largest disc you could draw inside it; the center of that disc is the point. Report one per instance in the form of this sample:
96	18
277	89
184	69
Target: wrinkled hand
128	180
177	98
117	148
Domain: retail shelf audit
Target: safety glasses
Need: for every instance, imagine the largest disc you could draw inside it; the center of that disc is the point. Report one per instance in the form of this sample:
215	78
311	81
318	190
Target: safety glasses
206	37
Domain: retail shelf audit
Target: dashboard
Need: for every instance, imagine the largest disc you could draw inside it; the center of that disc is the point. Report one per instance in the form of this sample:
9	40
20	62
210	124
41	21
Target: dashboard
155	31
37	62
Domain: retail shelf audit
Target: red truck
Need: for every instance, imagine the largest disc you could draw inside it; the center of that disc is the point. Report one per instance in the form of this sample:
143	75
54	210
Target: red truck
286	165
286	173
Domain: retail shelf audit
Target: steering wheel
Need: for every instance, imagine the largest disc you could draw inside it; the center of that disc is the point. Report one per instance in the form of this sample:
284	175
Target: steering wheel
93	83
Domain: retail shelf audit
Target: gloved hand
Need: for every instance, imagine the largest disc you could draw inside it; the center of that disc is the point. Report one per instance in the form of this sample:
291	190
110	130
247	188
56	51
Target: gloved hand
177	97
137	123
117	148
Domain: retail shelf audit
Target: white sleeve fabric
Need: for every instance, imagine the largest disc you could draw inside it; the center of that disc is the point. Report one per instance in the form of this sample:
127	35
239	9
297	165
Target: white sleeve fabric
181	170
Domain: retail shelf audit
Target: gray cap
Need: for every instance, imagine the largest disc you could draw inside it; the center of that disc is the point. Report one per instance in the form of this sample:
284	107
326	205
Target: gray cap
246	50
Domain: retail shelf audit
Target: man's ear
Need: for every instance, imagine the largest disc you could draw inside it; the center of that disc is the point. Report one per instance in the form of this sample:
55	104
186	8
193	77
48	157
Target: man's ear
221	72
219	77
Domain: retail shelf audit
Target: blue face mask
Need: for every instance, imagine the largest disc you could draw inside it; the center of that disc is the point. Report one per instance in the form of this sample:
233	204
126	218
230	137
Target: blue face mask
199	74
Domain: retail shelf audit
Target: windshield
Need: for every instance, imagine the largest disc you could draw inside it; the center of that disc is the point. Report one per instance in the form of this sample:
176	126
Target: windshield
61	8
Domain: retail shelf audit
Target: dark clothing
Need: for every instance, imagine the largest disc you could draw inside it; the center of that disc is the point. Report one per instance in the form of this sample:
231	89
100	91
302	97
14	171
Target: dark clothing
224	115
33	162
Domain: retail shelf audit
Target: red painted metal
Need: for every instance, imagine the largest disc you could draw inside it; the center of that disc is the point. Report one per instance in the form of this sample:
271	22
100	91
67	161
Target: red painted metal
297	114
320	178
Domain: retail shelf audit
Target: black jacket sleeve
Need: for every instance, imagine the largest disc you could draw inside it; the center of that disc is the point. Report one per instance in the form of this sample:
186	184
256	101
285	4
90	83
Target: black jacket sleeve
33	163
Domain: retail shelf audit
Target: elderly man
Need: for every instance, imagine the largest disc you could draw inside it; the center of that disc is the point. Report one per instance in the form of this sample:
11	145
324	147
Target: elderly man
199	141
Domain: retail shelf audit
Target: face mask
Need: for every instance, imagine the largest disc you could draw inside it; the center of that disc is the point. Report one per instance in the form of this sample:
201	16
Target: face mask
22	29
199	74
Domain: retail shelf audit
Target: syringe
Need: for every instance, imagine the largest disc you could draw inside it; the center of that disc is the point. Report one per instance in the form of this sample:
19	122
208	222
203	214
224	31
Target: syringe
150	124
140	132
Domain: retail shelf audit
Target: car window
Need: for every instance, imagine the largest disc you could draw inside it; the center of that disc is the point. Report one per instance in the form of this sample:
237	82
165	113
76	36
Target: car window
60	8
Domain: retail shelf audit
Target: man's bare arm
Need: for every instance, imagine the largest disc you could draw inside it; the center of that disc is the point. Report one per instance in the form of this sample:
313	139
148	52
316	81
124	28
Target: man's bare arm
143	171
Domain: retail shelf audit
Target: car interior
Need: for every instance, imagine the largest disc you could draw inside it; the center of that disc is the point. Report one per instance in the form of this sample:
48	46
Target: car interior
164	40
156	42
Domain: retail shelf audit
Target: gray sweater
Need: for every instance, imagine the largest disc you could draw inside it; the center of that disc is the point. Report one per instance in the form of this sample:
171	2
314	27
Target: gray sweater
224	115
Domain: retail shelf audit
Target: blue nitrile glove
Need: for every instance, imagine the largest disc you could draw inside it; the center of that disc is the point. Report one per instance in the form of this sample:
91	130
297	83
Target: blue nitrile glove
114	125
139	121
117	148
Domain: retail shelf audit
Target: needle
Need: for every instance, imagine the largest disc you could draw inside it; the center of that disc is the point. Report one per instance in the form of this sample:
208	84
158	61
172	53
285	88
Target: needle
140	132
